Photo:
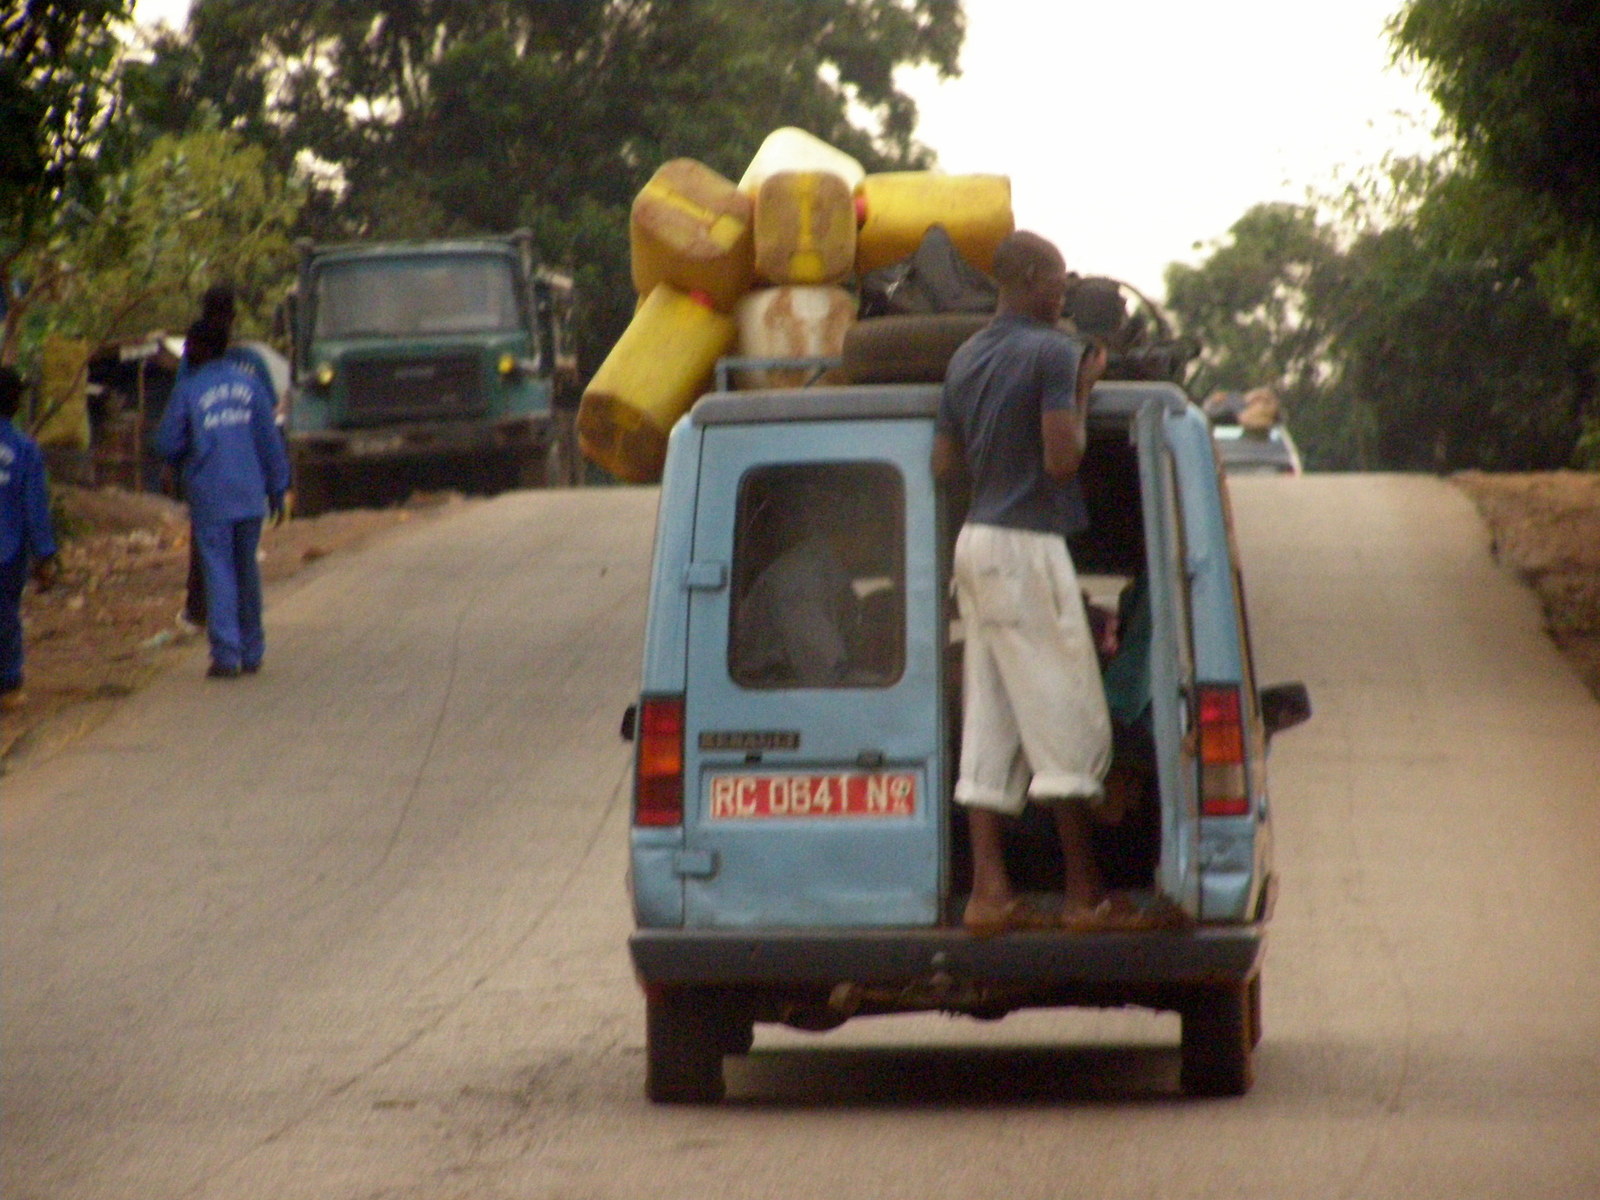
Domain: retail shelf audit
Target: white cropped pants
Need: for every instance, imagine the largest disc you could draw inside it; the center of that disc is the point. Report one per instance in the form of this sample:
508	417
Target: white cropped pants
1035	725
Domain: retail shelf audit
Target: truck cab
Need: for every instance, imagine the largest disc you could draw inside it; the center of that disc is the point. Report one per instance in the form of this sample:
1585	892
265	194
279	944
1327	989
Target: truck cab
429	364
796	856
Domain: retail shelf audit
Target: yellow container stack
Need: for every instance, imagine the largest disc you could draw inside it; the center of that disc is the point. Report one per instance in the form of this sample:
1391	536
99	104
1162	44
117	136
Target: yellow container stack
659	366
897	208
691	228
792	322
805	228
804	218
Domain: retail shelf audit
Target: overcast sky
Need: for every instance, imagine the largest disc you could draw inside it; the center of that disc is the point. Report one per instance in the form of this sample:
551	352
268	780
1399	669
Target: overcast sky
1133	130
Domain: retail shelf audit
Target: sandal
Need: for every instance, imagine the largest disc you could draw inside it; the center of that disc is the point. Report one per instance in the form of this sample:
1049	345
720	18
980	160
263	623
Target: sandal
1012	917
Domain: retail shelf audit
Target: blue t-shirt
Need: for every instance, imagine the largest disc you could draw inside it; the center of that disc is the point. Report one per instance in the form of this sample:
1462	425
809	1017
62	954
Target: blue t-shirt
218	428
24	499
999	383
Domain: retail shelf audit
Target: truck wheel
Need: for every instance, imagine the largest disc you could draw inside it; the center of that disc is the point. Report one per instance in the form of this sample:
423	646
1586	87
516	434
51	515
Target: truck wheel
313	490
684	1040
906	349
1217	1032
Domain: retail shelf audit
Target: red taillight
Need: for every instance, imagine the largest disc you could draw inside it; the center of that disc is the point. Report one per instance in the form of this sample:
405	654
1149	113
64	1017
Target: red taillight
1222	776
659	787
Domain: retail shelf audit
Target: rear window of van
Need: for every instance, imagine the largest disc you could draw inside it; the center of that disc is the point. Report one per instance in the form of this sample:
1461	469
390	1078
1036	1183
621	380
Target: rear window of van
818	595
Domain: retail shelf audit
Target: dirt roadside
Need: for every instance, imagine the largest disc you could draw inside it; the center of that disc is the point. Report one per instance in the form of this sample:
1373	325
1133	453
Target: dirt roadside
1545	527
110	624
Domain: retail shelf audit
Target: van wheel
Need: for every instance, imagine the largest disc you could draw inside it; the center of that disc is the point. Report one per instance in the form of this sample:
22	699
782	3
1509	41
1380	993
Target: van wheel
906	349
1217	1033
684	1040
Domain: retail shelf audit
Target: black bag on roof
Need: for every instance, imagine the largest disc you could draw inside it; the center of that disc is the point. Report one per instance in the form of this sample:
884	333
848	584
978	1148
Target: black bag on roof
934	279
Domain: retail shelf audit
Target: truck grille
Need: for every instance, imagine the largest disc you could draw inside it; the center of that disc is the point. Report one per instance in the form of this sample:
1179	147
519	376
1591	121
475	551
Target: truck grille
413	389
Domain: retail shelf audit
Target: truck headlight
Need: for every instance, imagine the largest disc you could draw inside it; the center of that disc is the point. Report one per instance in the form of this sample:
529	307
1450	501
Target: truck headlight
508	365
324	374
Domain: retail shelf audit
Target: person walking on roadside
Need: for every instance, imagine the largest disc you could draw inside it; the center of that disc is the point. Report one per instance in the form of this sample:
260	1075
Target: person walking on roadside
25	534
1036	725
217	307
218	431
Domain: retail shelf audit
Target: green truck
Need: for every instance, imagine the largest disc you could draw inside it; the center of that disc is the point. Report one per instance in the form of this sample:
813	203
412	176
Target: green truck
429	365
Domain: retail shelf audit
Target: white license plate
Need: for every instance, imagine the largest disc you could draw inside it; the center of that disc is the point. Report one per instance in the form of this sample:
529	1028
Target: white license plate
386	443
854	794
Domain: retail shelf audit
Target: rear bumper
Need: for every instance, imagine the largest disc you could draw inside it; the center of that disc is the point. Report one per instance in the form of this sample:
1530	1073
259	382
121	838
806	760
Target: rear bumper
1134	966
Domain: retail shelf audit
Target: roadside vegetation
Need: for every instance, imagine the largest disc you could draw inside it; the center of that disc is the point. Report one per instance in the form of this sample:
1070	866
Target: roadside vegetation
1440	315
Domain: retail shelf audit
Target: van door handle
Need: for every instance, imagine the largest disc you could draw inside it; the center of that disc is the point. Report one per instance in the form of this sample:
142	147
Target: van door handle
870	760
705	576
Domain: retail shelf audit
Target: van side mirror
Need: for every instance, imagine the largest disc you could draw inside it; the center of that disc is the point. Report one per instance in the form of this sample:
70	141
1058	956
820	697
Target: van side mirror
1284	705
630	717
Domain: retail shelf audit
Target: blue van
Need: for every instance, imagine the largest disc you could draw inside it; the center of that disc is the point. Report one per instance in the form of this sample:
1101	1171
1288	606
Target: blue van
796	855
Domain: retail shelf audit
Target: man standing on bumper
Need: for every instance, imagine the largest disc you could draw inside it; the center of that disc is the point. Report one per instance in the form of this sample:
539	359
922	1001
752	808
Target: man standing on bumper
218	430
1036	726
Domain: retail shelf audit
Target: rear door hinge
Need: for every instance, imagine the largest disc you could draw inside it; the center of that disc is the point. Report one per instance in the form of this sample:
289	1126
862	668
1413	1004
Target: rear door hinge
705	576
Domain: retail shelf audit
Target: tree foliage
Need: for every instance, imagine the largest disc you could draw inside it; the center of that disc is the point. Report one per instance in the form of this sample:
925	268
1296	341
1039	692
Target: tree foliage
1419	343
195	208
57	102
438	117
1519	86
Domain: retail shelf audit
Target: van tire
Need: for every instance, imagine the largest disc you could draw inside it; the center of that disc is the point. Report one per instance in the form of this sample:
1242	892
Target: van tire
906	349
684	1042
1255	1010
1217	1032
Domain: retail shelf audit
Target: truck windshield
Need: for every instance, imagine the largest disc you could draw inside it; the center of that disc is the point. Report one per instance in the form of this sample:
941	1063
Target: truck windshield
416	296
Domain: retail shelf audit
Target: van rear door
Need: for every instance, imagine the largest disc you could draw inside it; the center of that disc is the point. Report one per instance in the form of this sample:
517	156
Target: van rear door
813	775
1172	659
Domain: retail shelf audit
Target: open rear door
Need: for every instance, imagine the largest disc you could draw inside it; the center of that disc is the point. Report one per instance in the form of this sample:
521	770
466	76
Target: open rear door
1172	670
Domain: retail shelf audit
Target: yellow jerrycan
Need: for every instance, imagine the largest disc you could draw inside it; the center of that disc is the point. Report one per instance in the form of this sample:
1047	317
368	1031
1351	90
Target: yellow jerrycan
791	149
897	207
805	228
658	368
691	228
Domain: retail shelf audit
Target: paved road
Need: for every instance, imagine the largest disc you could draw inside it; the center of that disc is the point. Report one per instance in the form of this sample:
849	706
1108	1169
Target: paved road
355	929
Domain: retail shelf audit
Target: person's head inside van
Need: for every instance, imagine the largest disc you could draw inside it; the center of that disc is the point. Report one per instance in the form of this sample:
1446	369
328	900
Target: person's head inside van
829	535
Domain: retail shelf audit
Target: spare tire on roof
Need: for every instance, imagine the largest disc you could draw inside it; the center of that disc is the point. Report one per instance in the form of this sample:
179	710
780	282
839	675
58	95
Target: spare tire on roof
906	349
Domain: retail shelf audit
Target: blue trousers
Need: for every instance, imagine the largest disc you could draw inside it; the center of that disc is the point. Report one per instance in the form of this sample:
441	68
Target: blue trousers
13	575
233	590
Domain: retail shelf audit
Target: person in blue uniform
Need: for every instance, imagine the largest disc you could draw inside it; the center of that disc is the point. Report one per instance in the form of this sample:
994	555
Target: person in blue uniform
25	535
218	431
217	307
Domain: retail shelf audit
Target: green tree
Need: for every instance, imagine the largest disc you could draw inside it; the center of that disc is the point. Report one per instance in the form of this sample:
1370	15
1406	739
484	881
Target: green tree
57	102
447	117
1444	338
1251	303
194	209
1401	323
1519	86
